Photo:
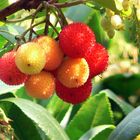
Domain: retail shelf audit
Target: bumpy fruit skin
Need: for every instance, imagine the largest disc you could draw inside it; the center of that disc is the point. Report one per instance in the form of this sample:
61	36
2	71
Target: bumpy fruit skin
73	72
54	54
97	60
76	39
9	73
74	95
30	59
40	85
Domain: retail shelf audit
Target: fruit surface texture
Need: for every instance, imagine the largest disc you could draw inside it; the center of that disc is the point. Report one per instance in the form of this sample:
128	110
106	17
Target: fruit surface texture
74	95
54	54
97	60
73	72
76	39
30	58
40	85
9	73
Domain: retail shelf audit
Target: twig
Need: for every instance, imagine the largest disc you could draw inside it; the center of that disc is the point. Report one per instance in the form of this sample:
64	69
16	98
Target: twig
45	4
54	28
69	4
33	18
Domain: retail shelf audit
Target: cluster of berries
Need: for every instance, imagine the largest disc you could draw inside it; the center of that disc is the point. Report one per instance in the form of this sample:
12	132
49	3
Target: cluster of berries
111	22
67	66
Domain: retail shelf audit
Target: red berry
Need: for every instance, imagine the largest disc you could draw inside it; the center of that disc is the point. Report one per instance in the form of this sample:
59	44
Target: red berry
76	39
74	95
9	72
97	60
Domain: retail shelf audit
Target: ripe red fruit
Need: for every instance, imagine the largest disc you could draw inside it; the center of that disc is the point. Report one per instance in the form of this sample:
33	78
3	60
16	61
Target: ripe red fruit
97	60
74	95
9	72
76	39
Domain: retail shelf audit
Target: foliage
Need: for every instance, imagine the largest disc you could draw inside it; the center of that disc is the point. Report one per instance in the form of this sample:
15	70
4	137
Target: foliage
110	111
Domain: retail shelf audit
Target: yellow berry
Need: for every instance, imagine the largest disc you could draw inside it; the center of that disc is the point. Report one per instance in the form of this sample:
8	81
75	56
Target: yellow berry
30	59
40	85
73	72
54	54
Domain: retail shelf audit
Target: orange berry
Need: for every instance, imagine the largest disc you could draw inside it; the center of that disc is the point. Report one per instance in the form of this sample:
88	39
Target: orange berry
73	72
54	54
40	85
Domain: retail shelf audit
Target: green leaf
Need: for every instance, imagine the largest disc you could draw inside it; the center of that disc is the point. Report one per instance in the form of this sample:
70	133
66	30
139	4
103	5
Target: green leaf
24	127
21	93
6	48
6	88
3	4
107	4
98	130
95	111
126	108
123	84
128	128
10	31
94	23
6	95
79	13
58	108
37	114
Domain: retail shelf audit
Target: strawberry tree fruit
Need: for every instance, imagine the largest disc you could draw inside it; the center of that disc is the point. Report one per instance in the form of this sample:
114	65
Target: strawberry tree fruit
40	85
54	54
97	60
76	39
30	58
9	73
74	95
73	72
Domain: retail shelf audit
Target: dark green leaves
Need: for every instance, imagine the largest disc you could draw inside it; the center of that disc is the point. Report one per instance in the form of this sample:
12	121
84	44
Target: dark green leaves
93	133
126	108
96	111
129	128
26	115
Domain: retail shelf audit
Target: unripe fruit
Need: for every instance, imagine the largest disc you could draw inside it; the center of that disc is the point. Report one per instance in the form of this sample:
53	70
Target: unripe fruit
74	95
40	85
73	72
97	60
54	54
9	73
76	39
30	58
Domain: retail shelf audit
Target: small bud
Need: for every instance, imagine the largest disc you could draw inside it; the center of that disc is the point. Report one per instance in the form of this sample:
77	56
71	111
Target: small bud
106	24
116	21
111	33
109	13
126	5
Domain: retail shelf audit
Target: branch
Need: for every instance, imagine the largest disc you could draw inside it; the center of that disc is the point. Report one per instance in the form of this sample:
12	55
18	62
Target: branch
69	4
19	5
